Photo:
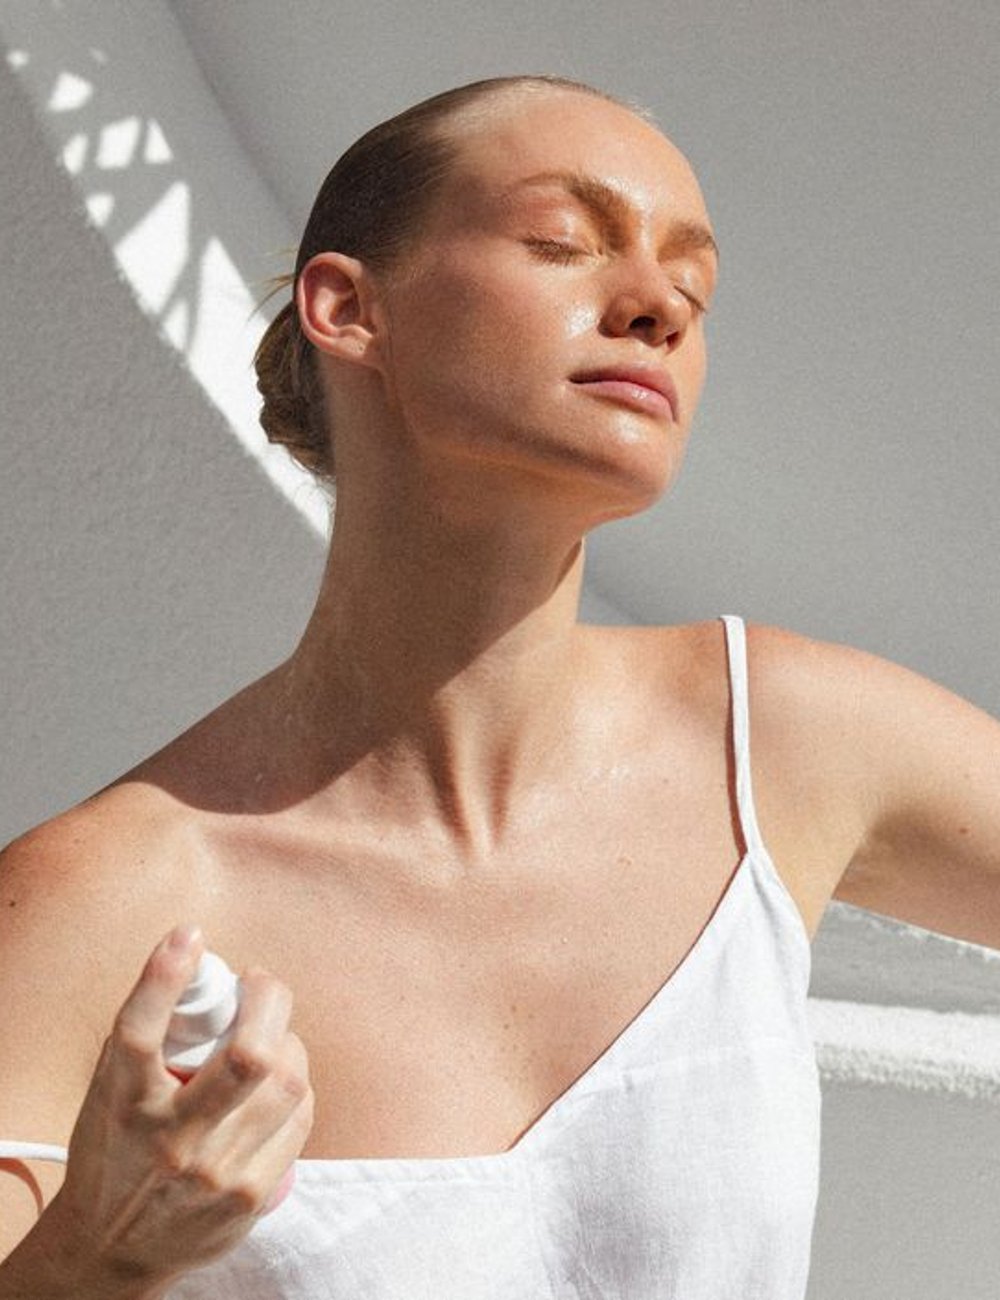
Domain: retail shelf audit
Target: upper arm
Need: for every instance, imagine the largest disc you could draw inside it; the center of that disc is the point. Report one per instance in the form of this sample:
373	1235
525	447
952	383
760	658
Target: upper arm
83	900
878	787
931	851
49	1048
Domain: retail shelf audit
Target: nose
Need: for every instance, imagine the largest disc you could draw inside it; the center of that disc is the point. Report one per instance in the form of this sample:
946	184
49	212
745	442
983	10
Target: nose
648	306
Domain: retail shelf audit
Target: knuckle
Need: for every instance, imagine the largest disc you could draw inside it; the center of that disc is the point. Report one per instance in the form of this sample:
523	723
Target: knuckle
105	1061
128	1040
242	1199
247	1064
170	1158
294	1086
297	1049
204	1179
137	1115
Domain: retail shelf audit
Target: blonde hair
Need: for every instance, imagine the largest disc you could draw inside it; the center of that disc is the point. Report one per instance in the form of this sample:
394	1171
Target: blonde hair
370	207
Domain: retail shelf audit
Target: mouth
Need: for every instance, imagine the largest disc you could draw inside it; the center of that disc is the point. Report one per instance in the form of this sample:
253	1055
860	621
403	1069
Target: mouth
645	389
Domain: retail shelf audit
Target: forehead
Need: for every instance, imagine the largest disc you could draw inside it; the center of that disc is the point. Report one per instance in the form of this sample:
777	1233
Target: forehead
512	137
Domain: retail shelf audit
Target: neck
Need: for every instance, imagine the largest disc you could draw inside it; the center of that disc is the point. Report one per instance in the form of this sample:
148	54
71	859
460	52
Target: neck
439	673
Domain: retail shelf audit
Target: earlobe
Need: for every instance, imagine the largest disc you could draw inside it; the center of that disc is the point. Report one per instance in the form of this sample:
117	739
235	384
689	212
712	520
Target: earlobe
333	300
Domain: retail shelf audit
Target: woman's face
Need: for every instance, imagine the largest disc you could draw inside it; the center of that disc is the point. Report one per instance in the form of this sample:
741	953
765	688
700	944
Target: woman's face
570	242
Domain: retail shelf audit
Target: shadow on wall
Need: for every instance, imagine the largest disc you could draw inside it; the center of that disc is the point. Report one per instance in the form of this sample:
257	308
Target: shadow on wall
148	567
129	118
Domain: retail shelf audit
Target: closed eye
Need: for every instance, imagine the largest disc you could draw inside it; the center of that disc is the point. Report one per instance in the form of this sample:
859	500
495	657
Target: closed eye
554	250
700	306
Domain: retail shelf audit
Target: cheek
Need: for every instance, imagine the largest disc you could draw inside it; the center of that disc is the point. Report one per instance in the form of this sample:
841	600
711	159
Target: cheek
580	319
479	341
689	367
450	351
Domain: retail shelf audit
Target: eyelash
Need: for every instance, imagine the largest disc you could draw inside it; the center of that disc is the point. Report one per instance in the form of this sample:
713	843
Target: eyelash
551	250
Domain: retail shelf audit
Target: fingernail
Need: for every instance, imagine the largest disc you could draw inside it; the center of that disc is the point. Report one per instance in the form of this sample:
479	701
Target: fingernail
182	937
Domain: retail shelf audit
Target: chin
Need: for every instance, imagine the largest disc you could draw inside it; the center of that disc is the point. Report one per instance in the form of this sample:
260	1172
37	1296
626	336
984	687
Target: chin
641	469
617	487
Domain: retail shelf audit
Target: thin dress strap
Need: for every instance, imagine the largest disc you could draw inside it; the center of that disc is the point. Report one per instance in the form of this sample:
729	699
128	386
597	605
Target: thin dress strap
736	646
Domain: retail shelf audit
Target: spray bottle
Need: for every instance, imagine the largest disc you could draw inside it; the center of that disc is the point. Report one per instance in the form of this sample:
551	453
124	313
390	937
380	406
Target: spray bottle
203	1018
202	1022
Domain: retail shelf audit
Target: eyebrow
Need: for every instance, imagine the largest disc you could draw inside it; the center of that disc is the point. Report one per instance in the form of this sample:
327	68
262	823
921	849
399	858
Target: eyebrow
608	202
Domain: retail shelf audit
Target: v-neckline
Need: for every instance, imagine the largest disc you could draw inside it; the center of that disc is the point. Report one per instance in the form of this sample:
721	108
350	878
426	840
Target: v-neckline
369	1166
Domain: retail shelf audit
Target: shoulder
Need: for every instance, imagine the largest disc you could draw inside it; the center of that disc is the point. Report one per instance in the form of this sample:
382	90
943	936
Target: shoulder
813	701
786	669
856	734
812	706
101	841
801	688
85	895
848	694
815	678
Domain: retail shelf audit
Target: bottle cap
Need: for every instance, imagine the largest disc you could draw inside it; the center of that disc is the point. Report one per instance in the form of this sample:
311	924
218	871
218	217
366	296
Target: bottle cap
203	1015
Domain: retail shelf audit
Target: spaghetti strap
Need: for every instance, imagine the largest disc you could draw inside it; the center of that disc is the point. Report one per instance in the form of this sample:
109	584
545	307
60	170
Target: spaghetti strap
736	646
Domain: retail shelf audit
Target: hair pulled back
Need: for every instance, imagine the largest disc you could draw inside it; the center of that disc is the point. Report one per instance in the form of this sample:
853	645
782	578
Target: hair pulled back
370	206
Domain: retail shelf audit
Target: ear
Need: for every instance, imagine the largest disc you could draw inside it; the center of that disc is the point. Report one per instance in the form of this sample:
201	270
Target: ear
338	307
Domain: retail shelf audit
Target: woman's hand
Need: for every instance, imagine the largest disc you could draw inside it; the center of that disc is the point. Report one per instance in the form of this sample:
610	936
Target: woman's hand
163	1177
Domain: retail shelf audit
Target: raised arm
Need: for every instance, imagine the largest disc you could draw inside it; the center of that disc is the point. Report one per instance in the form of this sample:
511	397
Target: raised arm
931	855
918	771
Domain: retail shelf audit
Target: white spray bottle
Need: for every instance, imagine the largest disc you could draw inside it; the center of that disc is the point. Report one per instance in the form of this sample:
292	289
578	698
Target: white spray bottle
201	1024
203	1018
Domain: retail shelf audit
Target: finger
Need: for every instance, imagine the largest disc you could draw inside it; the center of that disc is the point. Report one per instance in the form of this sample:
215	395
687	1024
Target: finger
249	1058
281	1151
281	1191
287	1091
143	1019
270	1131
269	1162
254	1176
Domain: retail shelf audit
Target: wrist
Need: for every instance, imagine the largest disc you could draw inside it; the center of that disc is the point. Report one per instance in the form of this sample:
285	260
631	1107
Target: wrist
57	1261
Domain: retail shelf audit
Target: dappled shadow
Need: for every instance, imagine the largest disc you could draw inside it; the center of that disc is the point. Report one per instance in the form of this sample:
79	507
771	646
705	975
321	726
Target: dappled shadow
151	174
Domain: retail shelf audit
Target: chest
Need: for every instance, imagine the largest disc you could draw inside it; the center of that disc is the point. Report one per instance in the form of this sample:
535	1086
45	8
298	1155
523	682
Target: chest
444	1011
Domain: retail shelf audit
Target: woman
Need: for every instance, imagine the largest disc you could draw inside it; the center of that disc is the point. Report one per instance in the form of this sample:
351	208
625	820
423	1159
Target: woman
548	982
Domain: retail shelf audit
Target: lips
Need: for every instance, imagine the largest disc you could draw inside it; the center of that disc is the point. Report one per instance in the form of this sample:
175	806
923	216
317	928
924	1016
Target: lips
617	380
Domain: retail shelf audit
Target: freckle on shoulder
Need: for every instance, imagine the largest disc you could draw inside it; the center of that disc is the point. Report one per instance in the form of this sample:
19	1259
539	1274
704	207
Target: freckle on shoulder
98	847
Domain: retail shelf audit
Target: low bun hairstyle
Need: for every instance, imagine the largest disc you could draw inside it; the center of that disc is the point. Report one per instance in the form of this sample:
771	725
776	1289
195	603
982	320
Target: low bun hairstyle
370	206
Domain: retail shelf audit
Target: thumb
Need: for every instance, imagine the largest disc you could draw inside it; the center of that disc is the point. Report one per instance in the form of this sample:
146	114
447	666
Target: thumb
144	1017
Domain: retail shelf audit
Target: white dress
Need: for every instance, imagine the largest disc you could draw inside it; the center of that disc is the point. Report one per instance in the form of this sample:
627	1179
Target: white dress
682	1165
